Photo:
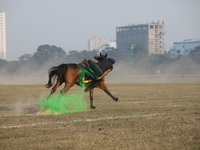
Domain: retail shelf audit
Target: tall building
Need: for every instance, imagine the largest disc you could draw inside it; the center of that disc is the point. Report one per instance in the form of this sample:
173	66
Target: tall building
108	46
183	47
95	43
2	35
150	35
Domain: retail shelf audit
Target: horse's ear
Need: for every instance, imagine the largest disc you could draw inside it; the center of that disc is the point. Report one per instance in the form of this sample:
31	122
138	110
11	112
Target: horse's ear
101	54
106	55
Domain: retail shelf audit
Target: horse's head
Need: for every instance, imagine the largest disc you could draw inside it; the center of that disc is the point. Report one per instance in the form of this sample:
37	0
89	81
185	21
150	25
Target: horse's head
103	55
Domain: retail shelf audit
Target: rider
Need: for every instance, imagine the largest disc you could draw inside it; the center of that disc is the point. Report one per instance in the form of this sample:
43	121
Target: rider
102	67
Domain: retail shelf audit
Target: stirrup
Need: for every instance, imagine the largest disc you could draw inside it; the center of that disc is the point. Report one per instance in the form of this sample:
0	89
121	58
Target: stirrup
86	81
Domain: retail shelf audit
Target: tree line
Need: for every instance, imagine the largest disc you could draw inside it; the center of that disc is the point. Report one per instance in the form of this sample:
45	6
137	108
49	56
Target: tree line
136	61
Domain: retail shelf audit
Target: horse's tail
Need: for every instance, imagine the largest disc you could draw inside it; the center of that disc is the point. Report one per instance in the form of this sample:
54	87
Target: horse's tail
55	72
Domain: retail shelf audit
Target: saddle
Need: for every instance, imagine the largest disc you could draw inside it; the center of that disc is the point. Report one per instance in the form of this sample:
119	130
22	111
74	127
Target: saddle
87	75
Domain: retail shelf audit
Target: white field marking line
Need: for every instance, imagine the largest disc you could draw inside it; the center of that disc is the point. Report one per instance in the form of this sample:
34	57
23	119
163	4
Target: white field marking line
83	120
28	104
155	101
160	106
125	102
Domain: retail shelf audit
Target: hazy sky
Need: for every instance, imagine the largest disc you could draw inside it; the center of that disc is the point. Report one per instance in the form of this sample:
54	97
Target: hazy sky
70	23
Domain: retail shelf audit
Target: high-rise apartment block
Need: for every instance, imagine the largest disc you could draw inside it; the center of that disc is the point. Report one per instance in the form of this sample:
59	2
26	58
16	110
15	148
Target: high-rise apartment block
2	35
150	35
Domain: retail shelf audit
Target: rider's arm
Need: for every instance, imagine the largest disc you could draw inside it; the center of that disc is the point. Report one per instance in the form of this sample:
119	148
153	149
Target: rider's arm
104	74
96	57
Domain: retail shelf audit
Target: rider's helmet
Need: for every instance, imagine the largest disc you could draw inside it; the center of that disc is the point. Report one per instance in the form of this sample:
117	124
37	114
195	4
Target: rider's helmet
111	60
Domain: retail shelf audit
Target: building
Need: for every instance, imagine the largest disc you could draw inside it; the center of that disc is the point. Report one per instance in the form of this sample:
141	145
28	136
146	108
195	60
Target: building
112	43
183	47
150	35
106	47
95	43
2	35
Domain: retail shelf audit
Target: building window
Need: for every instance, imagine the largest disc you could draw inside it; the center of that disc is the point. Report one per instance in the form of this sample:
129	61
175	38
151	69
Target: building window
151	26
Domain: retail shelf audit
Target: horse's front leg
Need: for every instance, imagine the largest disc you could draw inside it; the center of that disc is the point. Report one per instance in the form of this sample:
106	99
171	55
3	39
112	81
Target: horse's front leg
91	99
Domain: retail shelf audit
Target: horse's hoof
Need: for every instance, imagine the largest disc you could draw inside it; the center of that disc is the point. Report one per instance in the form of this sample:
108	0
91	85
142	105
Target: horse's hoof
92	107
117	99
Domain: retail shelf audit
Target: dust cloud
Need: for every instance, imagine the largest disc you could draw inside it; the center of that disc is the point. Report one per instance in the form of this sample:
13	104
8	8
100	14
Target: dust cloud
182	71
26	75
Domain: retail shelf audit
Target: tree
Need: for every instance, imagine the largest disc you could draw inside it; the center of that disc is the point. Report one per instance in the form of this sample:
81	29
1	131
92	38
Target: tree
46	52
12	67
116	54
195	54
2	63
24	58
75	56
157	59
140	51
158	62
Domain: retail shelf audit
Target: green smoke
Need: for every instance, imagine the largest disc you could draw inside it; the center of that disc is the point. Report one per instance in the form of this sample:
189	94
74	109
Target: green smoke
66	104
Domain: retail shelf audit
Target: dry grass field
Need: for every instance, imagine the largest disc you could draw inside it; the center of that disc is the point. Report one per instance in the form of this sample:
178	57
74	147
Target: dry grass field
148	116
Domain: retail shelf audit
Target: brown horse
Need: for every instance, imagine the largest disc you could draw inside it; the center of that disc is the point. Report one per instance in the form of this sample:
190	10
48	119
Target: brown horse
69	74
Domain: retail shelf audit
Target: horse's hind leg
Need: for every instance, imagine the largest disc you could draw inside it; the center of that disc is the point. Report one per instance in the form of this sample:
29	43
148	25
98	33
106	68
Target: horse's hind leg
66	88
103	86
58	83
108	92
69	78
